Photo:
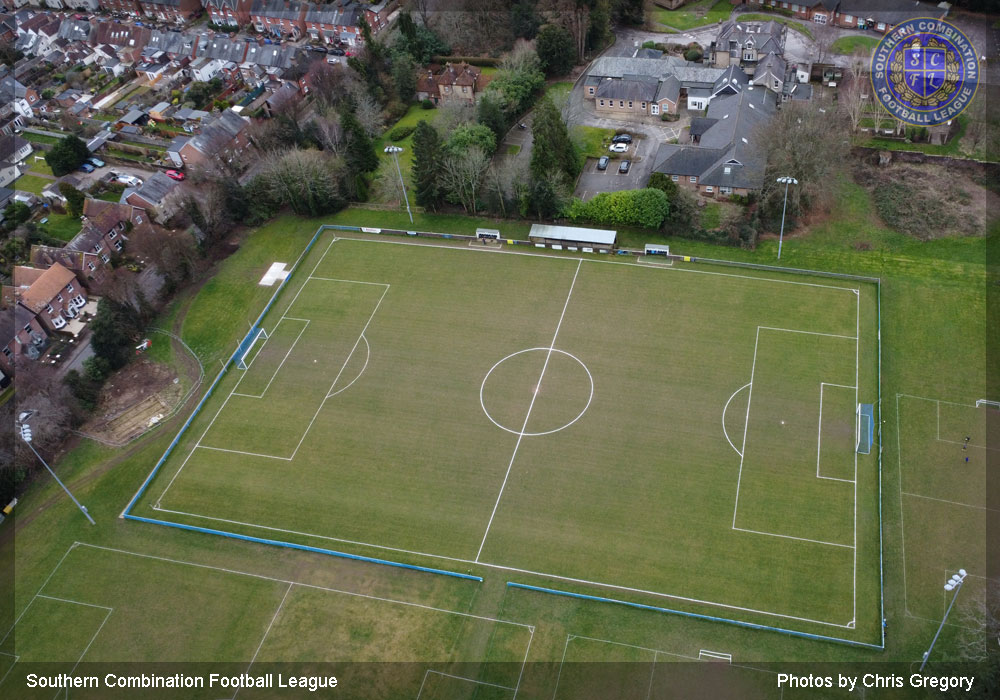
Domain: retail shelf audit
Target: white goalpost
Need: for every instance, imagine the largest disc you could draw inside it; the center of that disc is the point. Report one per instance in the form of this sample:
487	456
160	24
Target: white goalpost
241	362
987	402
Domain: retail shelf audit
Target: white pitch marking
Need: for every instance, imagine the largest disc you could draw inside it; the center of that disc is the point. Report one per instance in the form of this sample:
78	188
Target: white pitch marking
746	425
954	503
267	631
368	356
791	537
819	438
726	408
531	405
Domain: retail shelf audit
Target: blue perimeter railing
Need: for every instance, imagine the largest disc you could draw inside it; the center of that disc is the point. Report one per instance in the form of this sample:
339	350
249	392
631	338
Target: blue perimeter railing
126	514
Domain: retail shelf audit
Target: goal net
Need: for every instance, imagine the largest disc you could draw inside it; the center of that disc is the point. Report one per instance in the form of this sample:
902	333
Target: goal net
866	428
243	351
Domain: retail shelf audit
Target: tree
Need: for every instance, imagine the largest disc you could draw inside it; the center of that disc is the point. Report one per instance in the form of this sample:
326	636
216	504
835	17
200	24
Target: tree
524	20
404	76
360	153
15	214
427	155
552	149
67	155
555	50
823	36
74	198
307	181
856	94
647	207
369	114
462	177
600	24
472	135
115	329
518	78
628	11
803	140
489	113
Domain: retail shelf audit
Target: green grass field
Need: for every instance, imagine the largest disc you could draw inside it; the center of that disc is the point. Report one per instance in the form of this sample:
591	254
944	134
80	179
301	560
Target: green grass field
370	338
32	183
847	45
62	226
694	14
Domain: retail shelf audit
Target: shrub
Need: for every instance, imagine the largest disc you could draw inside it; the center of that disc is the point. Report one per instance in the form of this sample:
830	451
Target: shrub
427	104
693	55
401	132
649	44
668	117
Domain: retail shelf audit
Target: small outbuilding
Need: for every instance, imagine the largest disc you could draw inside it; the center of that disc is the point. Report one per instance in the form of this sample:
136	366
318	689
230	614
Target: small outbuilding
572	237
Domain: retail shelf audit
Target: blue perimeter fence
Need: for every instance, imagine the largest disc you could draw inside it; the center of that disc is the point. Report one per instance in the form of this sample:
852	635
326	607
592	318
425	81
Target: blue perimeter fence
126	514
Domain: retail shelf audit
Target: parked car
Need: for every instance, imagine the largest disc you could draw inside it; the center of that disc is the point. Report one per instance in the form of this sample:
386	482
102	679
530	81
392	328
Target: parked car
622	138
602	164
129	180
337	52
87	168
321	49
625	165
96	162
619	148
175	175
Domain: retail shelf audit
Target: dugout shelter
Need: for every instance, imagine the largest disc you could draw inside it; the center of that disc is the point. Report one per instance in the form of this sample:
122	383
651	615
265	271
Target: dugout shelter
572	236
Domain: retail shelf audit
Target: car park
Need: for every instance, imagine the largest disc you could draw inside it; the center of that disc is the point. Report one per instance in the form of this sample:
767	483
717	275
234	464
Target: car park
618	148
622	138
175	175
625	165
602	163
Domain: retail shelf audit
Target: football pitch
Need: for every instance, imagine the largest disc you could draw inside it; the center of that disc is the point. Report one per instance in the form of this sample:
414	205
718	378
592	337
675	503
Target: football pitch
682	436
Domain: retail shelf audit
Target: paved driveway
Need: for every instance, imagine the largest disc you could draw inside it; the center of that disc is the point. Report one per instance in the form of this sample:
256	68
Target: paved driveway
593	181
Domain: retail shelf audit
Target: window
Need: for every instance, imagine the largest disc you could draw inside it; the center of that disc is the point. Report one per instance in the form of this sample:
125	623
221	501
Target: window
59	298
675	178
105	259
621	103
58	322
848	19
655	108
98	247
112	235
709	189
590	91
48	307
118	246
725	190
881	26
91	266
727	170
693	178
138	219
69	288
602	103
28	328
643	106
6	351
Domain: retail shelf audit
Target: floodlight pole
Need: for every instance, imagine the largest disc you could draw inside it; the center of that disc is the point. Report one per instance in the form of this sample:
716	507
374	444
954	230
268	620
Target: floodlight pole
787	181
395	151
954	583
26	436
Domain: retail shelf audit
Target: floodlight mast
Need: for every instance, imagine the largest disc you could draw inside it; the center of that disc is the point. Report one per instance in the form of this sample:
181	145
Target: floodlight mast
25	431
952	584
395	151
786	181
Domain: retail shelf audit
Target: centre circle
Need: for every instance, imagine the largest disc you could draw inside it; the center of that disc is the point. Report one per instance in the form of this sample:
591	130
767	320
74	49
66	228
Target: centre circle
515	401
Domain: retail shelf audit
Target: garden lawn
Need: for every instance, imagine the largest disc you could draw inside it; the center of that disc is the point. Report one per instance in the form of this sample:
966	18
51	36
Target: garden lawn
847	45
61	226
792	24
696	14
39	138
592	141
31	183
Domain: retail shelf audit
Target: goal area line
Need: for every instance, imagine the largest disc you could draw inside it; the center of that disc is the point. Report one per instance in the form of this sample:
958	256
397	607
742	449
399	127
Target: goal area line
127	512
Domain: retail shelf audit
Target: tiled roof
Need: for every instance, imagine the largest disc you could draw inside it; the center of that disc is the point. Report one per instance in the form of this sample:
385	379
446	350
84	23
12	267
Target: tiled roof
46	287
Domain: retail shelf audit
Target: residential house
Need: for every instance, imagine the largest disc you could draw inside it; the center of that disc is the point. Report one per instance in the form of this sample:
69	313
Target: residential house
724	158
25	336
8	28
23	99
224	137
125	7
54	298
337	23
174	150
624	86
234	13
152	194
204	68
771	73
13	148
874	15
377	14
83	5
129	40
283	18
746	43
459	81
176	11
9	171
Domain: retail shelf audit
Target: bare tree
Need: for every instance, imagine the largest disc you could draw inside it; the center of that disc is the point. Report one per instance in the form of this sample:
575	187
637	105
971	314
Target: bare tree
40	391
453	114
462	177
823	36
330	133
369	114
502	180
980	621
855	96
386	182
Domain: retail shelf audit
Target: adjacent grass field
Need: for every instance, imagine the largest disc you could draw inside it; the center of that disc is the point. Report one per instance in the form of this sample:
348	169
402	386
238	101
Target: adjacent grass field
694	14
847	45
626	466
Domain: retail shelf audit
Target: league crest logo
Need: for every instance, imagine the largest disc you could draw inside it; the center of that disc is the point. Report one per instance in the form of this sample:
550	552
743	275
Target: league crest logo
925	72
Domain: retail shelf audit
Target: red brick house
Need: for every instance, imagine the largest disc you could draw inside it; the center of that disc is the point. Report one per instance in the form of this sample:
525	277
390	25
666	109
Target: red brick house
453	82
55	297
285	18
229	12
225	137
176	11
27	336
875	15
128	7
334	23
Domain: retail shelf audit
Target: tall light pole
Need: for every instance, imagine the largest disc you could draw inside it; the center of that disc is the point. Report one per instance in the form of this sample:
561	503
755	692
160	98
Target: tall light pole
395	151
786	181
25	430
953	584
